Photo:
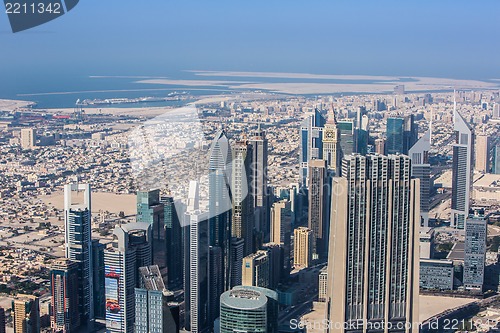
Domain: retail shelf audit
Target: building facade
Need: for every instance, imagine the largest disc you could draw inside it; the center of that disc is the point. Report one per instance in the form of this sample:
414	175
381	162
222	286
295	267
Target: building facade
303	239
373	258
64	315
475	250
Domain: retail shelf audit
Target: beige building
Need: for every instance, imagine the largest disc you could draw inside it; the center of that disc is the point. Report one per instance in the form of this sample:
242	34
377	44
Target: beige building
482	146
256	270
26	313
303	247
373	263
28	138
281	221
323	284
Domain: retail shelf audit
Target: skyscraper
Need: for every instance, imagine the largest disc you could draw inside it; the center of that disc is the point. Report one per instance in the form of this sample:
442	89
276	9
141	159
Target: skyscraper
395	136
242	212
150	210
482	150
237	254
421	169
331	144
26	314
475	250
303	239
220	202
98	279
196	276
259	192
347	138
410	133
462	171
64	302
255	270
173	240
311	145
373	258
28	138
380	146
78	245
155	313
319	206
249	309
131	249
496	160
282	219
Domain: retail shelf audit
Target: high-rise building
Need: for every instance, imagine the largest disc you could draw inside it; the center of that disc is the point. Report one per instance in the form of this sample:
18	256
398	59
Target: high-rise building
78	245
26	314
249	309
421	169
282	219
196	276
426	242
28	138
154	311
395	136
64	303
242	212
461	171
150	210
173	240
496	160
331	144
303	239
220	205
347	138
323	284
237	254
373	258
475	250
278	270
255	270
311	144
380	146
2	320
259	192
131	249
98	279
496	111
319	207
410	133
482	150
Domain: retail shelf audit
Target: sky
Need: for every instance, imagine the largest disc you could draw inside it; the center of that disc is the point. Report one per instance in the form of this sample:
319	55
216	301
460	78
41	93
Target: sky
446	38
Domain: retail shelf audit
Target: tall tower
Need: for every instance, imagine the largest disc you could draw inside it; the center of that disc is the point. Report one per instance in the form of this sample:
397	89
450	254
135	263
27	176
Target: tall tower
331	144
395	136
196	277
462	171
220	201
496	160
26	314
150	210
242	212
130	250
249	309
475	250
173	239
258	187
78	245
319	206
64	303
311	144
373	258
482	153
303	239
421	169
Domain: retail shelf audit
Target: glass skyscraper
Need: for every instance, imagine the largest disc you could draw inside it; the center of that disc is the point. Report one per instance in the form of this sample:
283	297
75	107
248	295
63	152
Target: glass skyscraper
461	171
78	245
421	169
311	144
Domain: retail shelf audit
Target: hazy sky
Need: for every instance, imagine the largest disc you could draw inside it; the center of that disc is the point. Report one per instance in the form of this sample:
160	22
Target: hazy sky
448	38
